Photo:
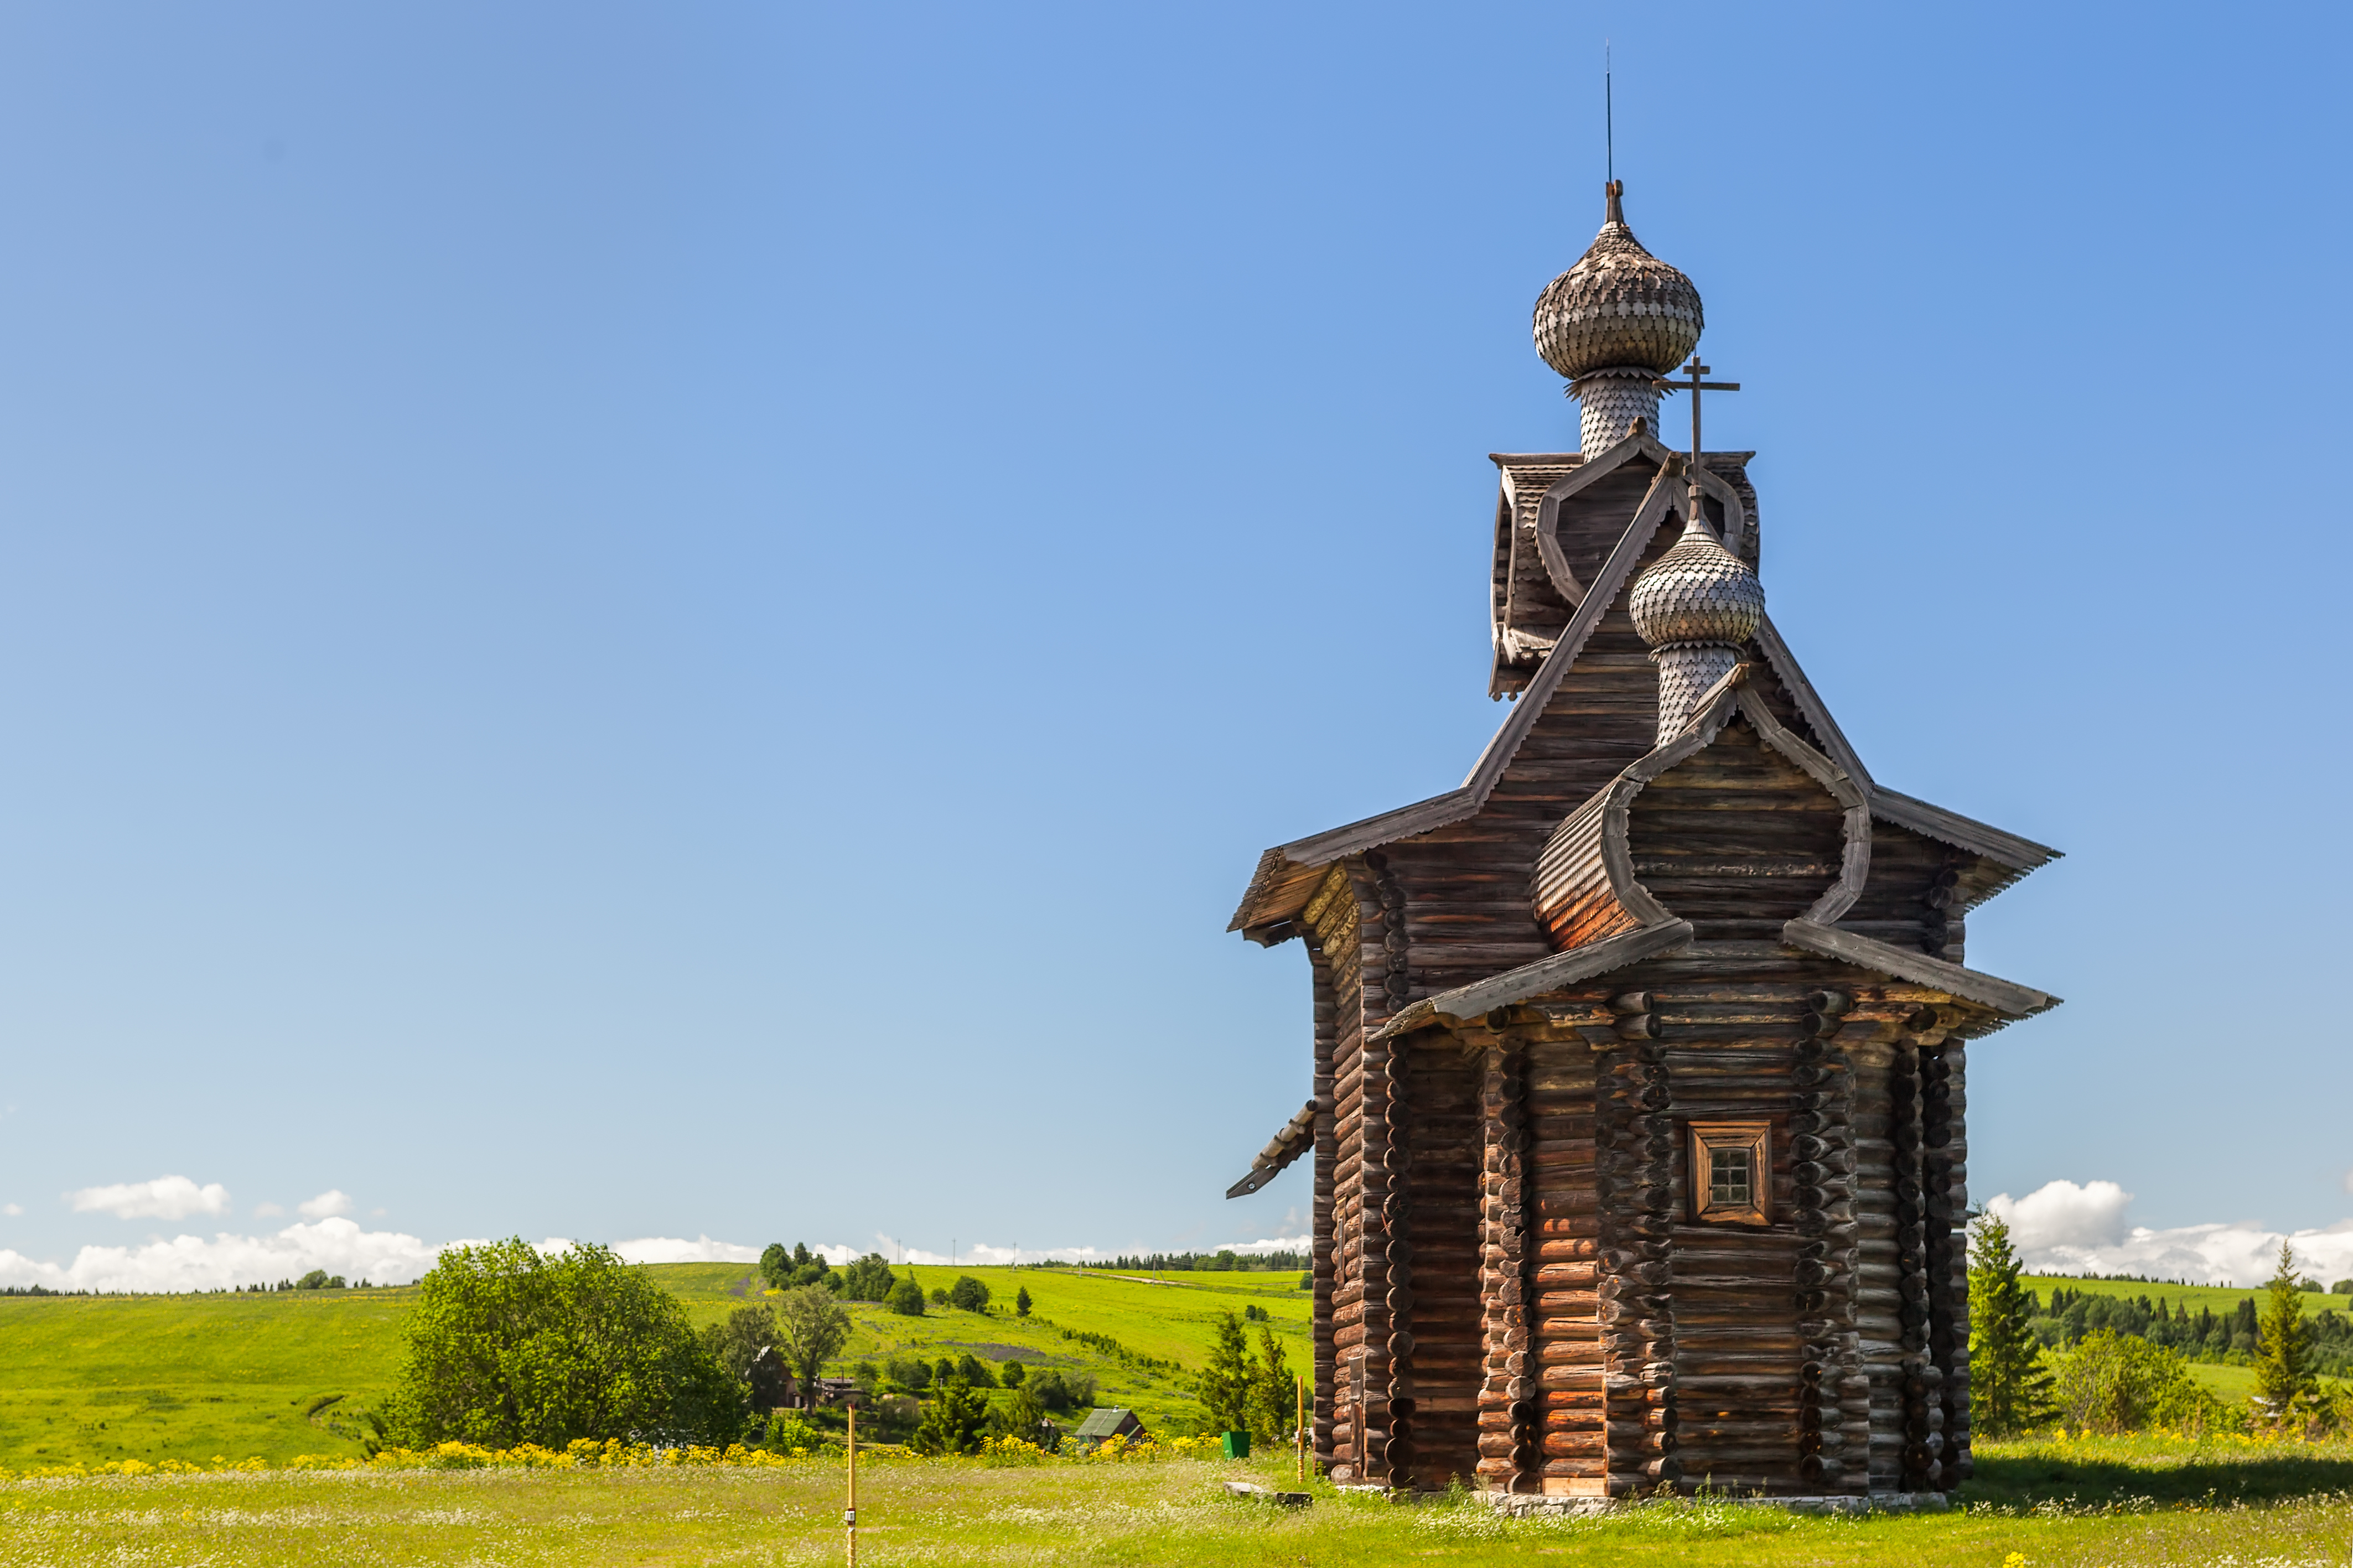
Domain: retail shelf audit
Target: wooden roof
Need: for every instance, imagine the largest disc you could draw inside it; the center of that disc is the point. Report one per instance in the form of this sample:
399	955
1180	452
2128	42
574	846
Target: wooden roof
1588	540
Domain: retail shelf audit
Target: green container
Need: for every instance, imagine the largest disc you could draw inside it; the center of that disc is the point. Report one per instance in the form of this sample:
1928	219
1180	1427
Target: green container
1237	1443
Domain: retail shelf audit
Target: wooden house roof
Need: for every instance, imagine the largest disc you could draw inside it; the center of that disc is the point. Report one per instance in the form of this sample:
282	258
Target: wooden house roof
1588	529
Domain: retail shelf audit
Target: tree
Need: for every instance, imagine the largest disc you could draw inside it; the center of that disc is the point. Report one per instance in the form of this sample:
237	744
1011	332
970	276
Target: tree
811	1329
1274	1398
1020	1416
1013	1373
974	1371
907	1297
953	1422
1021	1302
507	1345
776	1265
735	1342
1226	1378
2114	1383
2286	1386
2010	1391
969	1294
868	1280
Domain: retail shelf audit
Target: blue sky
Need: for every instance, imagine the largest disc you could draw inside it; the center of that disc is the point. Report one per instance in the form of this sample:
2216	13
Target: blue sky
656	622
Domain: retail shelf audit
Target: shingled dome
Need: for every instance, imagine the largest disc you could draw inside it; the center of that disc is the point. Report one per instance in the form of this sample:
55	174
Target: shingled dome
1618	306
1698	592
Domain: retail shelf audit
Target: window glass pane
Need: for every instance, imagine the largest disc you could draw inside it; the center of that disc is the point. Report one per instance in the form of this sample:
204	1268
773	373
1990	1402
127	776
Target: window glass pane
1729	1178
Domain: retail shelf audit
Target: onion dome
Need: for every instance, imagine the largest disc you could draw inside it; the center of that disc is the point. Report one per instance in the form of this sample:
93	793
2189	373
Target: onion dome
1698	592
1619	305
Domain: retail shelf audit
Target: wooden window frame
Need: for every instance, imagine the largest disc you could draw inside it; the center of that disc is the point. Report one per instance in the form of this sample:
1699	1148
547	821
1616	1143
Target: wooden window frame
1756	1137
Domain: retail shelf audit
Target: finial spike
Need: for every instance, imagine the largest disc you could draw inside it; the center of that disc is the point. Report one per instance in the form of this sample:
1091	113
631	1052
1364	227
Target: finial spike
1614	213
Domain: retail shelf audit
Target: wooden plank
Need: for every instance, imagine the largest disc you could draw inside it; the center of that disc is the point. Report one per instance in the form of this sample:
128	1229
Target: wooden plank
1989	991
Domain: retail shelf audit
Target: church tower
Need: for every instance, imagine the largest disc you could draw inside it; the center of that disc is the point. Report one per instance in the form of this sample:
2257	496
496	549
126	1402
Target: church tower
1639	1132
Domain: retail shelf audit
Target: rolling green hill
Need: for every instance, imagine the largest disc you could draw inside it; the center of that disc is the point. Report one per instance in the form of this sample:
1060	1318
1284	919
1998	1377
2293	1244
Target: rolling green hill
192	1377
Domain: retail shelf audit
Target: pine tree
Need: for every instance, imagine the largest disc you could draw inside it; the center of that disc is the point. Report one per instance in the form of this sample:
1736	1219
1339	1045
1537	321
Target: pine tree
1275	1400
1021	1302
2010	1391
1226	1378
2286	1386
953	1422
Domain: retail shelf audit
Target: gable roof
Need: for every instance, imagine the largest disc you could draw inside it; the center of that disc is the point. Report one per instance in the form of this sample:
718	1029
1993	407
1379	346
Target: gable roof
1110	1422
1288	874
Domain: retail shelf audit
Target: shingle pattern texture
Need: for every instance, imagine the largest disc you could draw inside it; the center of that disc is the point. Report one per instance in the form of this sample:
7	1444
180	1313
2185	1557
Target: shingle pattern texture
1698	592
1608	404
1619	305
1686	673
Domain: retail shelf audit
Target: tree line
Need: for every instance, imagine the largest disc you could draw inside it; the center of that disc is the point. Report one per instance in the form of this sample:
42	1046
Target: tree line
2122	1364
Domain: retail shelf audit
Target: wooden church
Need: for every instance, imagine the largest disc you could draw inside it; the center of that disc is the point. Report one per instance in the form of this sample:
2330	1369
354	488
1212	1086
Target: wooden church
1640	1058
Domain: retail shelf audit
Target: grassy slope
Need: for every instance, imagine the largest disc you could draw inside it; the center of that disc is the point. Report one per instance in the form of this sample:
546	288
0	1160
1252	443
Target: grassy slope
1173	1512
150	1377
189	1377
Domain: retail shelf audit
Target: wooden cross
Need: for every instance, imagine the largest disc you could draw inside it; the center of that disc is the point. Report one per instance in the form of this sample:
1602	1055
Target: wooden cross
1696	385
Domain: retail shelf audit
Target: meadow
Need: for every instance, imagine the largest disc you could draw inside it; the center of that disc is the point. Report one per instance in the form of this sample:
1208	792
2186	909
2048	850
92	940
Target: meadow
91	1379
2126	1501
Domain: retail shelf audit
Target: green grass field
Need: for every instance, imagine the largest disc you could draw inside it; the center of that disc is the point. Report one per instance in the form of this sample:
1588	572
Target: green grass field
85	1380
2129	1502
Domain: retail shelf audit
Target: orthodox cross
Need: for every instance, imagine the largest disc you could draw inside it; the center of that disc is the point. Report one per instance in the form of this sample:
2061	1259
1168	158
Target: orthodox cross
1696	385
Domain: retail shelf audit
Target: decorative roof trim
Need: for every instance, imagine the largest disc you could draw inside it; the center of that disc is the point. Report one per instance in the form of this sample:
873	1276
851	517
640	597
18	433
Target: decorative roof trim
2004	996
2020	855
1296	1137
1481	997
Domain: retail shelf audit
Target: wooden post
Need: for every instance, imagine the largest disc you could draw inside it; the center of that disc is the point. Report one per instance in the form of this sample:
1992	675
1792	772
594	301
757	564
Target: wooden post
1299	1432
849	1514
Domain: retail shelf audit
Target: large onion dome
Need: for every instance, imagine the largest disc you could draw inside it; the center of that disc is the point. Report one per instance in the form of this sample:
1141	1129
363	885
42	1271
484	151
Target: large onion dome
1619	305
1698	592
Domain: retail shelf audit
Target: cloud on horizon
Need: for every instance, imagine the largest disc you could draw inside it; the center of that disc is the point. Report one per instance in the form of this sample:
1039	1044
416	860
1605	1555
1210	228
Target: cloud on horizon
325	1206
165	1197
2063	1228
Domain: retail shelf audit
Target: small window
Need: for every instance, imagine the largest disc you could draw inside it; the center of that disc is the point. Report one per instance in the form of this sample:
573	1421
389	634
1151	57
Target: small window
1731	1170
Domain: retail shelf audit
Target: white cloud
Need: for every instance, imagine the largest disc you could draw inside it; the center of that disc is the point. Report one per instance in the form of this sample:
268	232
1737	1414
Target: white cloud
329	1202
2062	1228
976	1252
194	1263
166	1197
670	1249
267	1211
2063	1215
12	1210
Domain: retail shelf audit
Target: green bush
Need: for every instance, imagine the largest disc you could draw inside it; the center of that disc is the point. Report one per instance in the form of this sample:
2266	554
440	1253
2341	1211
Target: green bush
954	1421
787	1432
1059	1390
1011	1375
507	1345
907	1297
969	1294
909	1372
974	1371
2115	1383
868	1280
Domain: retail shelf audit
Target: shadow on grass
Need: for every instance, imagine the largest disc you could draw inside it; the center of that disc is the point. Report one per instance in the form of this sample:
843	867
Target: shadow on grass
2045	1475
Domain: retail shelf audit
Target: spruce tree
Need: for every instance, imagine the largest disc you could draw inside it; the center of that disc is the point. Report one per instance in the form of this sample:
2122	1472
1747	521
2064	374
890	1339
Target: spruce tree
1021	1302
1274	1399
1226	1378
2286	1385
2010	1391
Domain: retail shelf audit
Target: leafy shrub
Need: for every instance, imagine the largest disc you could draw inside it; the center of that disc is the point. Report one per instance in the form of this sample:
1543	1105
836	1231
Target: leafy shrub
909	1372
1059	1390
969	1294
907	1297
788	1271
939	1296
1254	1314
320	1279
1011	1373
787	1432
974	1371
868	1280
2115	1383
508	1346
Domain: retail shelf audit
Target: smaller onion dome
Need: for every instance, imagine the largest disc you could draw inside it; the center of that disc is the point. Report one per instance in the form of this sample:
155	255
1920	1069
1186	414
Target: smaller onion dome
1619	305
1698	592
